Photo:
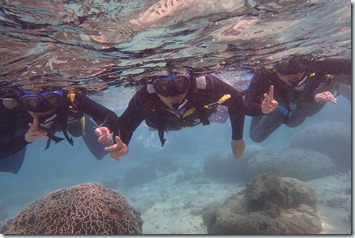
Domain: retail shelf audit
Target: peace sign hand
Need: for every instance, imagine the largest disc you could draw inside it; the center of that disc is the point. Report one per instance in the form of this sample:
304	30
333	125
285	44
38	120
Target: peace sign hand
269	103
117	150
34	132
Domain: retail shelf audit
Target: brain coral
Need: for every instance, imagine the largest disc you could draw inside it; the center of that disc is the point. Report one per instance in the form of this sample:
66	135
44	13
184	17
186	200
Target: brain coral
88	208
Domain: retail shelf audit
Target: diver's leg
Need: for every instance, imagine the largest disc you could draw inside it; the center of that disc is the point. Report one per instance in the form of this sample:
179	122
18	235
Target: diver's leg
295	121
262	126
302	111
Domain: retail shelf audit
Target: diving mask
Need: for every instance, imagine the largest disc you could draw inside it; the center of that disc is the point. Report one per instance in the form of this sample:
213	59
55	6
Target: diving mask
292	65
41	102
171	85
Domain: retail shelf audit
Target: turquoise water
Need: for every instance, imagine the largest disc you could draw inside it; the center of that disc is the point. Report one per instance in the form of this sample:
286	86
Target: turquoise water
105	45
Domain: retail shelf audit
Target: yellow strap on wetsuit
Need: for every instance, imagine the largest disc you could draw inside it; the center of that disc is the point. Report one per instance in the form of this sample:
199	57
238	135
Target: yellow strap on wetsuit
192	110
329	76
187	113
72	97
220	101
82	120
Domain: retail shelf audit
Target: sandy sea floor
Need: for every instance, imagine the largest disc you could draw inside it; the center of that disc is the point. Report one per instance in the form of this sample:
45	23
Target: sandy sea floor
173	205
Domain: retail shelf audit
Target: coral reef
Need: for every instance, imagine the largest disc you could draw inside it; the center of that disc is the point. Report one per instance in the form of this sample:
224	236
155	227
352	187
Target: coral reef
88	208
268	205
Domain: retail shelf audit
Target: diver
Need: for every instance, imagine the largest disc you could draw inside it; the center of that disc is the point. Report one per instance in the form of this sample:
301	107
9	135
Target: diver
174	99
27	116
297	87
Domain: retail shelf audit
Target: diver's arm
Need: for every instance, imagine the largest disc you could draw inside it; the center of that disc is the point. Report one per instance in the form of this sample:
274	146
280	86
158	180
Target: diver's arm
126	124
100	114
333	66
236	113
235	104
254	94
235	108
132	117
12	147
10	144
325	71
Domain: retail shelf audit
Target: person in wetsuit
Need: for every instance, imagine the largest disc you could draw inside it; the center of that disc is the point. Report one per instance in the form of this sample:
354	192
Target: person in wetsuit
297	87
175	100
27	116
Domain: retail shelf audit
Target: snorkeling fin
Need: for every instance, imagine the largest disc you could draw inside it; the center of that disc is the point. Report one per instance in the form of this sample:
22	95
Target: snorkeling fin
90	139
13	163
345	90
50	138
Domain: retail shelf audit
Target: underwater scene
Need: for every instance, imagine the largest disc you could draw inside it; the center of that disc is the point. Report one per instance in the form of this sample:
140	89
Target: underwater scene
249	155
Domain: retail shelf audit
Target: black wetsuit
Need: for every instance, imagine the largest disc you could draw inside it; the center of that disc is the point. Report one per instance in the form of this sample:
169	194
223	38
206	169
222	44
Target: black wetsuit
14	122
294	106
147	106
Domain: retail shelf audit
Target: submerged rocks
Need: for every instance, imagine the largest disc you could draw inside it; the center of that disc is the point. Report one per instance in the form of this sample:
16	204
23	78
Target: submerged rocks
301	164
329	138
269	205
298	163
317	151
88	208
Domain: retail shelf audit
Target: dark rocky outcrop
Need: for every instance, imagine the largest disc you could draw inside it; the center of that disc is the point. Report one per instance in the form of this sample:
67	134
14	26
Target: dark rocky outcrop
269	205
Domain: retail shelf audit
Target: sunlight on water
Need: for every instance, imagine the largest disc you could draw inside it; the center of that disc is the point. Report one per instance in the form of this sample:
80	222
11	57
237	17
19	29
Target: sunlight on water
96	44
105	47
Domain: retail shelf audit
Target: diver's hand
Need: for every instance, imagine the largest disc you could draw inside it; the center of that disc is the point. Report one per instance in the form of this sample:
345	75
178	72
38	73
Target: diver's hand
34	132
104	134
117	150
238	147
325	97
269	103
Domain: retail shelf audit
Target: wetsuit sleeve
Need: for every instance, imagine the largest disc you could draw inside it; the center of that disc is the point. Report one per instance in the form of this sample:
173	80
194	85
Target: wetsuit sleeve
235	105
333	66
100	114
13	146
132	117
9	145
255	94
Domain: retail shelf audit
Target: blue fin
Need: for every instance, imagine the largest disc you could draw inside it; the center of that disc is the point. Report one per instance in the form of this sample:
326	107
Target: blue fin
13	163
345	90
90	139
